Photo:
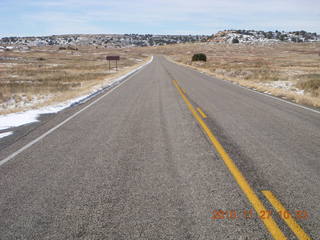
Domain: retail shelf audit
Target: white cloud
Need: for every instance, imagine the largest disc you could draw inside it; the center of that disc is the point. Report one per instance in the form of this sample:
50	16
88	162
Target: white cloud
204	16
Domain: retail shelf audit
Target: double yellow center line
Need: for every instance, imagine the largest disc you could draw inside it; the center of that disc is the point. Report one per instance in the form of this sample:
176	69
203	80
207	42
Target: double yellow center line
238	176
203	115
293	225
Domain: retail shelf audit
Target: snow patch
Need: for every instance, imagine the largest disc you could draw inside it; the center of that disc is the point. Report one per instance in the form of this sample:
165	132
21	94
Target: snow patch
286	85
21	100
8	64
21	118
5	134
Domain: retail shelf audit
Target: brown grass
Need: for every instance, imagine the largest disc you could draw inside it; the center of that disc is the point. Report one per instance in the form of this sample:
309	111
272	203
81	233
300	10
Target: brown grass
311	83
65	74
60	74
255	66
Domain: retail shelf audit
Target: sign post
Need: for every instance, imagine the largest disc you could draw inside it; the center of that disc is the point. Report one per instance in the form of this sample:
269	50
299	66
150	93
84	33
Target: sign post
113	58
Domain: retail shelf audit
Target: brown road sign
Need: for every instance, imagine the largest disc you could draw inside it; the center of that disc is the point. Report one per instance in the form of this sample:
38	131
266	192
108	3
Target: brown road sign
113	58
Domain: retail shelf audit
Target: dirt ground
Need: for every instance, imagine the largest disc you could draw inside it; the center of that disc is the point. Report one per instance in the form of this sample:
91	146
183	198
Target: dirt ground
46	75
287	70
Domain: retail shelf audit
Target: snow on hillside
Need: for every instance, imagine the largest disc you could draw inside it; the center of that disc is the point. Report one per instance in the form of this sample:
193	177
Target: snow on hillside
106	40
252	36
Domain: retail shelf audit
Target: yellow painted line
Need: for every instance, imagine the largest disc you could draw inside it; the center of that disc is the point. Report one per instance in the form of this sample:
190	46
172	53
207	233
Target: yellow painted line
203	115
240	179
293	225
184	91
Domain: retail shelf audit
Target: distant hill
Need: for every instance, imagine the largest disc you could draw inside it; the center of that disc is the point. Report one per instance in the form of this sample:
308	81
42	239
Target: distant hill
106	40
252	36
141	40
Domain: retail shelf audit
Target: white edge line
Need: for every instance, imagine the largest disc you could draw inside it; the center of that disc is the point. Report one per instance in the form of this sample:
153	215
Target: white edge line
255	91
279	99
69	118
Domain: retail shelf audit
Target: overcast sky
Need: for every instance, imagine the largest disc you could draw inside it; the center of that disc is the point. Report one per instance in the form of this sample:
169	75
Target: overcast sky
47	17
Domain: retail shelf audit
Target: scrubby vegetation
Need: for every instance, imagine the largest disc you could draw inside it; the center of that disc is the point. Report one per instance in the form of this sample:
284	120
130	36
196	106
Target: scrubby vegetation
54	74
310	83
289	70
235	40
199	57
295	36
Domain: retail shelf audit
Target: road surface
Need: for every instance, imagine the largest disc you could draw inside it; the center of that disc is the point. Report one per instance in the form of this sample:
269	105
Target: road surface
136	163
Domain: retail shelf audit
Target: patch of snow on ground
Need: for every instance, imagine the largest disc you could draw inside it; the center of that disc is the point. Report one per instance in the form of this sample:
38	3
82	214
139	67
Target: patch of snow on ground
5	134
8	64
22	100
30	116
286	85
53	64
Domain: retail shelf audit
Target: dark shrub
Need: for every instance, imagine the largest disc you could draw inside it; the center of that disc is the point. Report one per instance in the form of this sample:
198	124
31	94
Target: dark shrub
235	40
199	57
72	48
309	82
282	37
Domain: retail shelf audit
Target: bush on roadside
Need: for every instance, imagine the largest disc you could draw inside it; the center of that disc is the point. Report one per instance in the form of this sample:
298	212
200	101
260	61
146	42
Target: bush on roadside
235	40
310	83
199	57
69	48
72	48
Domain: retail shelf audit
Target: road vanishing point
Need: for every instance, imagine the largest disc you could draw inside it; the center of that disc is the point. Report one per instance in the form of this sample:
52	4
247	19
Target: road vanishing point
169	153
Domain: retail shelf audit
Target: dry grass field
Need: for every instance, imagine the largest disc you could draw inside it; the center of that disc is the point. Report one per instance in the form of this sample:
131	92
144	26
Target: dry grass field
287	70
48	75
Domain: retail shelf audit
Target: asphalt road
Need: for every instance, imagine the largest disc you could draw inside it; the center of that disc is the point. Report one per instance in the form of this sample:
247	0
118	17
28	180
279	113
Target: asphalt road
135	164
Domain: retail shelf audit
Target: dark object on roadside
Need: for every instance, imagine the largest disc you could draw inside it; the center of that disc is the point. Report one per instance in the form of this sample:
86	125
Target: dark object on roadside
235	40
199	57
41	59
113	58
72	48
69	48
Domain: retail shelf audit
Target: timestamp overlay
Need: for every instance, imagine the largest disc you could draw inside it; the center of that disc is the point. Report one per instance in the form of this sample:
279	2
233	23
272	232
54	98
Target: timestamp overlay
259	210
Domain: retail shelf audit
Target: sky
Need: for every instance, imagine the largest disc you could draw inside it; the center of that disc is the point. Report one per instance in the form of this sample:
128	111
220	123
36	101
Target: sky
49	17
